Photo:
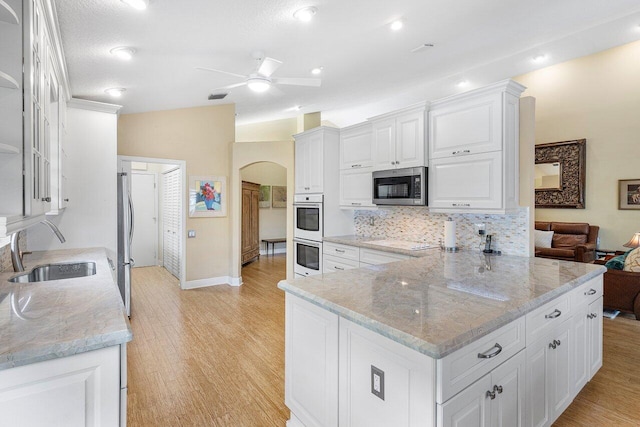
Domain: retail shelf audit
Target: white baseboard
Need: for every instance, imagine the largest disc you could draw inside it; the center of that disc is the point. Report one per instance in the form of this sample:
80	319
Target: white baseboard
213	281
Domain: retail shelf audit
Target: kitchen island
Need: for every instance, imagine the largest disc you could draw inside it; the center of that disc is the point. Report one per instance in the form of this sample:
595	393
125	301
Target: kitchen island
445	339
63	346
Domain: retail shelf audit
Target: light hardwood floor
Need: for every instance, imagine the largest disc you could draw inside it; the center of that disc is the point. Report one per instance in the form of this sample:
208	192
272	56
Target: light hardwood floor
211	356
215	356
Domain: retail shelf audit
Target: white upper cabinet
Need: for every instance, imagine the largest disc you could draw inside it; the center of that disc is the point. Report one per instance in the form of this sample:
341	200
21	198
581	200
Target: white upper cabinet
316	159
356	188
473	145
467	127
356	148
399	139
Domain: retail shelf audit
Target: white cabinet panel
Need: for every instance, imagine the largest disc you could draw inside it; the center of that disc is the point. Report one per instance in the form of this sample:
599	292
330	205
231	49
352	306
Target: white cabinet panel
374	257
466	182
405	384
410	143
356	188
580	348
595	337
311	363
470	408
78	390
331	264
309	163
343	251
384	144
467	127
356	146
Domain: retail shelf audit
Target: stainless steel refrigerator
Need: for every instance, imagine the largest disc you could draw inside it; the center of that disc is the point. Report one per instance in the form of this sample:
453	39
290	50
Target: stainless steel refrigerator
125	236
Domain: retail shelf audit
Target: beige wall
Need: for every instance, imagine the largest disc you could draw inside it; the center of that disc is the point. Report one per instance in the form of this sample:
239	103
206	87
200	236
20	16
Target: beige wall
276	130
273	221
247	153
202	137
596	97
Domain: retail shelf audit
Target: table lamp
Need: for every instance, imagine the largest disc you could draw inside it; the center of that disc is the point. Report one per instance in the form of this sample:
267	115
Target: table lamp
634	242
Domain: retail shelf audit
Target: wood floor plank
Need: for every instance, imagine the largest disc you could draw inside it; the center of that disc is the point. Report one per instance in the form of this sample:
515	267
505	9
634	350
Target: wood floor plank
210	356
215	356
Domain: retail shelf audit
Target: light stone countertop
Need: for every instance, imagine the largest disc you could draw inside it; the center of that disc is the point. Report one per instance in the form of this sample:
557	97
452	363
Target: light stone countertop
363	242
62	317
437	304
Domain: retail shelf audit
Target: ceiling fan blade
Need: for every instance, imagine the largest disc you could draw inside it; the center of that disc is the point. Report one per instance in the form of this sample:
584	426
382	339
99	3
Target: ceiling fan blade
297	81
230	86
220	71
268	66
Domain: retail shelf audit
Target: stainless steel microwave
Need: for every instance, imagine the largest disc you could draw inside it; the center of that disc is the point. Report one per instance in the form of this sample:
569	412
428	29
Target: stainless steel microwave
407	187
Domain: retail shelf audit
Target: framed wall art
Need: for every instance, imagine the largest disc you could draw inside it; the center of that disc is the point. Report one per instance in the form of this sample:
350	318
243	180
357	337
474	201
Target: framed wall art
207	196
265	196
629	194
279	197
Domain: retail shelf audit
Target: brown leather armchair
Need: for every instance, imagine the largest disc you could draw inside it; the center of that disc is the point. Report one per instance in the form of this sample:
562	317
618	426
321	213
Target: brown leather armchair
572	241
621	289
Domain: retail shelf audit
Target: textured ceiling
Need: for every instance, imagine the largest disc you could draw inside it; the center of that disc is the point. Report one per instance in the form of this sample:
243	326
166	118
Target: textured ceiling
367	68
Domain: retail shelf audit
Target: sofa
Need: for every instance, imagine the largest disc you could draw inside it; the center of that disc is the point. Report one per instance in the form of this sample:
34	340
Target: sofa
572	241
621	289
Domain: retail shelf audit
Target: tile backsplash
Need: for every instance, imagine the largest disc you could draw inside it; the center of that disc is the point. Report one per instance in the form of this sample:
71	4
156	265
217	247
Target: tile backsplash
510	231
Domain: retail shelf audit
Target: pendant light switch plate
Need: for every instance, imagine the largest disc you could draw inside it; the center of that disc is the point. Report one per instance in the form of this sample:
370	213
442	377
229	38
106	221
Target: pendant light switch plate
191	234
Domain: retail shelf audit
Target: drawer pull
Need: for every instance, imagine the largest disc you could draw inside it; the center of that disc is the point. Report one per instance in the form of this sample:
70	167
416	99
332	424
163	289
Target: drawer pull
338	268
340	251
556	313
490	355
356	166
461	204
491	394
590	292
460	152
356	204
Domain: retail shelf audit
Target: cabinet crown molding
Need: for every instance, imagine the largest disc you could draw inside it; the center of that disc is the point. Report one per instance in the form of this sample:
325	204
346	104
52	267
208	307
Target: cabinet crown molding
509	86
101	107
316	130
423	105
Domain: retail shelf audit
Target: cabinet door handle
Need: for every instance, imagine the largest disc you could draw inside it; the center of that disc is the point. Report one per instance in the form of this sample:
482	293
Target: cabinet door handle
461	152
594	315
491	394
338	268
340	251
66	200
557	342
356	166
484	355
590	292
497	388
46	199
556	313
553	345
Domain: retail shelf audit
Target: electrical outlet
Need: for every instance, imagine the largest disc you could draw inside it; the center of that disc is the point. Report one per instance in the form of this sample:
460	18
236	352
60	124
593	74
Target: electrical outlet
481	229
377	382
191	234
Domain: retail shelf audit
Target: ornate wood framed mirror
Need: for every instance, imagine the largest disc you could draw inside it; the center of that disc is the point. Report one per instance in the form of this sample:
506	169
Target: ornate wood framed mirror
560	174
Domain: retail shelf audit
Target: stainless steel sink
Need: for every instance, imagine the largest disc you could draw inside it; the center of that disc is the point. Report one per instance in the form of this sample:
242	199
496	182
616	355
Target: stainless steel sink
43	273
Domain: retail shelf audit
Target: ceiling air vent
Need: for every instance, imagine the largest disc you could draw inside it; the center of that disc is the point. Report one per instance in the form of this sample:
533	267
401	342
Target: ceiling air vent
215	96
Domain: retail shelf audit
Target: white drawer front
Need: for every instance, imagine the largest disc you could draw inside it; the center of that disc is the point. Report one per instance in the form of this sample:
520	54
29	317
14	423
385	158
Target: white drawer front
542	319
586	293
372	256
462	367
332	263
342	251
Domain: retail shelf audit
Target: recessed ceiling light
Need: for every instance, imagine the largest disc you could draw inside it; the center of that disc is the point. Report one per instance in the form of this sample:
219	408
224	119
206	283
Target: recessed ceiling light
258	84
539	58
317	70
396	25
115	92
462	83
125	53
305	14
137	4
296	108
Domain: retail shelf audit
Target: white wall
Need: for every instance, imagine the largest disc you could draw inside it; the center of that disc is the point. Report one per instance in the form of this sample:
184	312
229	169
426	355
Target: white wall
273	221
90	220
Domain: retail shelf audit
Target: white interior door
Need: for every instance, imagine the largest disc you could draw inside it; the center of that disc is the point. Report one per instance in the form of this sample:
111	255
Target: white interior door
145	237
171	221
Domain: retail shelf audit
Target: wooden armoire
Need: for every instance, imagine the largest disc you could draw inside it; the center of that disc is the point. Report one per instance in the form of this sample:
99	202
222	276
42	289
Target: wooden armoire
250	221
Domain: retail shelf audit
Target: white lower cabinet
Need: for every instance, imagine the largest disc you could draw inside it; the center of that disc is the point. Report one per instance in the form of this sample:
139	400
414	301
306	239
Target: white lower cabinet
369	361
549	379
497	399
79	390
595	331
311	363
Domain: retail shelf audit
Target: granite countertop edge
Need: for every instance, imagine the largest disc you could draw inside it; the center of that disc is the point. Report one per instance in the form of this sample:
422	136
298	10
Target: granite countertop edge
362	242
442	350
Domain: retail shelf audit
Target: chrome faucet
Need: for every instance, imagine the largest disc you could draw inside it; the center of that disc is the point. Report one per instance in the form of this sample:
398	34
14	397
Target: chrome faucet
16	255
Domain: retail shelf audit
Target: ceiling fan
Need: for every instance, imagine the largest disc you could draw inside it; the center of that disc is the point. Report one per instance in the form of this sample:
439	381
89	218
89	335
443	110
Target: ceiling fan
261	80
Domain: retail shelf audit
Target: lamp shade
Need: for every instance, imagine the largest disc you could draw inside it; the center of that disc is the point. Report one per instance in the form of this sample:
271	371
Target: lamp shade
634	242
